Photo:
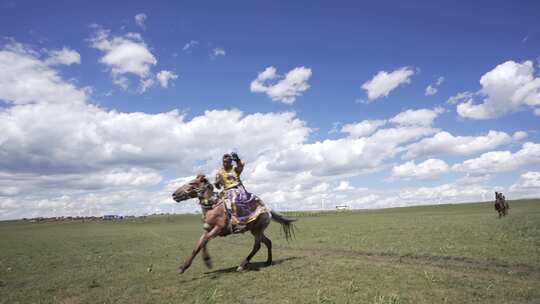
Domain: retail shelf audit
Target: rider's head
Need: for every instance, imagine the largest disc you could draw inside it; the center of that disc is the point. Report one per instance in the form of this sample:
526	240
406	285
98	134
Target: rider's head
227	160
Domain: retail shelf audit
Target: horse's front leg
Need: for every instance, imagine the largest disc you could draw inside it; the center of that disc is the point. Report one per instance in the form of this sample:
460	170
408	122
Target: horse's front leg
200	244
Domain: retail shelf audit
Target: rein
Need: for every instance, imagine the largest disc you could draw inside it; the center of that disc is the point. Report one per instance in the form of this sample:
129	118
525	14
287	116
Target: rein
207	203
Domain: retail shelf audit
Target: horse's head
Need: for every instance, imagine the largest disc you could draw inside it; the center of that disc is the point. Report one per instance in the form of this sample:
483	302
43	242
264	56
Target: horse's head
198	187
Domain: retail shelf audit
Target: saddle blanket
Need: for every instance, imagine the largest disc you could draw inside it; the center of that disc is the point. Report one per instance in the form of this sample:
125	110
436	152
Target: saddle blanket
246	212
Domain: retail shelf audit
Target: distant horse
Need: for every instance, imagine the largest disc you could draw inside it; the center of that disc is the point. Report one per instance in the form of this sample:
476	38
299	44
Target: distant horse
501	205
216	221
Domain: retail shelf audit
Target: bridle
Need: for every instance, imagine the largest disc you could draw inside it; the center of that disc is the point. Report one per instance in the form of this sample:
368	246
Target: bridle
200	190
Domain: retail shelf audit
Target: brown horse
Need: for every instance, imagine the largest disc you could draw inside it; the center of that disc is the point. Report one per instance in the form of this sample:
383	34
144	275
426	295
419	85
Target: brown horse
216	222
501	205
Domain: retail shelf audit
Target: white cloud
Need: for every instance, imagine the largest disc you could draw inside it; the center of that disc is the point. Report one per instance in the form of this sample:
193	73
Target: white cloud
420	117
190	45
501	161
115	178
461	97
124	55
347	155
287	89
257	85
383	82
520	135
145	84
446	143
344	186
509	87
219	51
64	56
443	194
528	183
25	79
440	80
165	76
140	19
429	169
20	48
432	88
322	187
408	118
471	179
335	126
363	128
291	175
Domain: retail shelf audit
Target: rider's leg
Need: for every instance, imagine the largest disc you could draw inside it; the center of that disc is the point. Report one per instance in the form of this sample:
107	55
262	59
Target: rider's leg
229	215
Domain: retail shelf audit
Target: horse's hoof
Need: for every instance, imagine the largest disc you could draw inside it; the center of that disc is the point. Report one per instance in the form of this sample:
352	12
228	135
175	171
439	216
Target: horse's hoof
240	269
208	263
180	270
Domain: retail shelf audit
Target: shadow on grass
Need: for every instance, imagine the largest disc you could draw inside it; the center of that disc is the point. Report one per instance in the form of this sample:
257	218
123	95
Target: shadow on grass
256	266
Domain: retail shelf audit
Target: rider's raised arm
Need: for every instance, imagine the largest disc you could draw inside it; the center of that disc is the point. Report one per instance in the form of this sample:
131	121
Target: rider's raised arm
239	163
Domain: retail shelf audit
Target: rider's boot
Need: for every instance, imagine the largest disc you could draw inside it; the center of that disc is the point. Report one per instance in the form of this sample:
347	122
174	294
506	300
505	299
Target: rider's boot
233	226
239	228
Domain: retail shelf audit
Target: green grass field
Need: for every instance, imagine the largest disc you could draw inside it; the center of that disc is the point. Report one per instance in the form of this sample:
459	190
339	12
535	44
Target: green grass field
434	254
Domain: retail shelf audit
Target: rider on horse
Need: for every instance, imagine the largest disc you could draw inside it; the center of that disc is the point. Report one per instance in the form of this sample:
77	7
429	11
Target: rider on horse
234	192
501	205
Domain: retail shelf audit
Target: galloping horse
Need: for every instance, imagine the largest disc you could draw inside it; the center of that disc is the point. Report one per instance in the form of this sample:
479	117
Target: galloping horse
501	205
216	221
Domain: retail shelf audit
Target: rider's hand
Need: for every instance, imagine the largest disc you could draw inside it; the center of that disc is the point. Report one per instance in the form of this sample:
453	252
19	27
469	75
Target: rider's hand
235	156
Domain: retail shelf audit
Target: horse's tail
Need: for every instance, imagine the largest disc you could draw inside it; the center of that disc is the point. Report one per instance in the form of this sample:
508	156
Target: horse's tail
286	224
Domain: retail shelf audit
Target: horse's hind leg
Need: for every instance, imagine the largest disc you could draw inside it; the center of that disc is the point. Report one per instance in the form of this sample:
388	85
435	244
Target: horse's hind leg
206	257
268	243
256	247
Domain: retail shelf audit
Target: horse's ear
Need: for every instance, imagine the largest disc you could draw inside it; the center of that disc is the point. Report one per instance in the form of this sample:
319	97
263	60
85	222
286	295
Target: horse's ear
202	178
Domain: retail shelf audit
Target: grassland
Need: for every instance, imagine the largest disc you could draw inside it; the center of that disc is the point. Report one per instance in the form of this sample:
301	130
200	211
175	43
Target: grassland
434	254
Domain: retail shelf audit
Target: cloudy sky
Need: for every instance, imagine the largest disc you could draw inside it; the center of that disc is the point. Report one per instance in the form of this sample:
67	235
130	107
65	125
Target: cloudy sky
107	108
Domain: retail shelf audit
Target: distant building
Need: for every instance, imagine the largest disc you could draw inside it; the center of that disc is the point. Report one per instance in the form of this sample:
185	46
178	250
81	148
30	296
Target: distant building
110	217
342	207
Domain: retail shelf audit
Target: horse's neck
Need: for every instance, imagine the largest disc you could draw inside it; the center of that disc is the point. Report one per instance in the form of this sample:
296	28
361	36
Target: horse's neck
215	201
217	215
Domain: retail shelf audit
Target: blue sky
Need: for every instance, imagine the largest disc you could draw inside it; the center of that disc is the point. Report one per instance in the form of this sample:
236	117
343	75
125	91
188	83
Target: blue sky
324	54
